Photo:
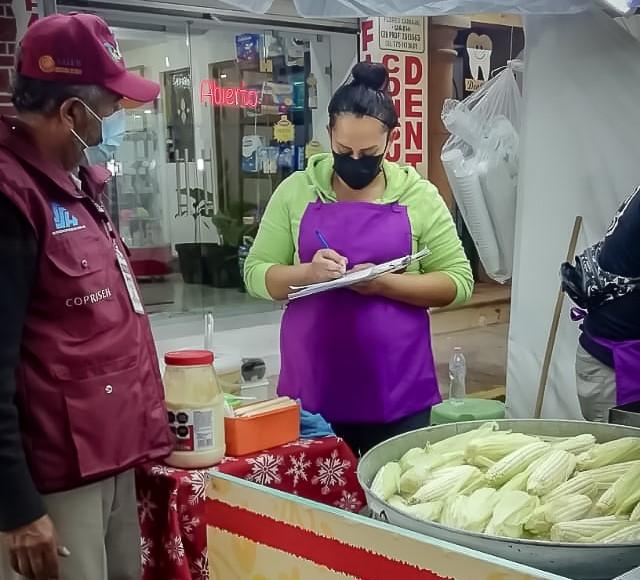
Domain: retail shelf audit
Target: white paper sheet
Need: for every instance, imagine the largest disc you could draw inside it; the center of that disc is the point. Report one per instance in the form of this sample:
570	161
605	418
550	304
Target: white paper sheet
352	278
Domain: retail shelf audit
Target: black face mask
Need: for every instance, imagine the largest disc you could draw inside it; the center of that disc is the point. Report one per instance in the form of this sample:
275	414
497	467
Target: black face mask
357	173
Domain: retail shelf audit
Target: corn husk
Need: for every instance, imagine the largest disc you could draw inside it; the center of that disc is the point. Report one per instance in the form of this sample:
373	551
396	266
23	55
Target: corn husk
411	458
427	512
387	481
459	442
510	514
397	502
584	531
478	509
516	483
475	483
635	514
563	509
622	496
617	451
577	445
484	451
449	482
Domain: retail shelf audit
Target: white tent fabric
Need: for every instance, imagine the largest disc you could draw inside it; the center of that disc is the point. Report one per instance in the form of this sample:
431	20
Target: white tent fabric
579	155
362	8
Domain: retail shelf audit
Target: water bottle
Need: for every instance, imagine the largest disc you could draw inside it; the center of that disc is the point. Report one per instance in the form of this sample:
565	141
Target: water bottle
457	376
208	331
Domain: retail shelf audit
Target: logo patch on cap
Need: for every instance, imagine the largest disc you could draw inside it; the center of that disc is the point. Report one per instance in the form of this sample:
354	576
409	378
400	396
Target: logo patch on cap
114	51
47	64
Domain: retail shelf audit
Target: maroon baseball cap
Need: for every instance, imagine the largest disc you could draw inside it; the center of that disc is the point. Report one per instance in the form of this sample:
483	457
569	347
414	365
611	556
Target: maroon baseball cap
80	49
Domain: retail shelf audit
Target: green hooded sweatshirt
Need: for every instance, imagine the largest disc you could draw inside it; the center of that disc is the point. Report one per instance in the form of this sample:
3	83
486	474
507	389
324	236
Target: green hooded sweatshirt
431	224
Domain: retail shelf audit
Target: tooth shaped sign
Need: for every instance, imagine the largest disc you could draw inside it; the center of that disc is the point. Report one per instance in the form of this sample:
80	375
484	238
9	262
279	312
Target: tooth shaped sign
479	49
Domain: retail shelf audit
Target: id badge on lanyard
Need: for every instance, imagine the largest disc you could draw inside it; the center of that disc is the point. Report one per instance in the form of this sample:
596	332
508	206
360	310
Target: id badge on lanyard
123	264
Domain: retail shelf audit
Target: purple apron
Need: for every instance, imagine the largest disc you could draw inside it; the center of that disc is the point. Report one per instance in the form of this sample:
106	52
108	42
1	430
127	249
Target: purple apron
626	362
354	358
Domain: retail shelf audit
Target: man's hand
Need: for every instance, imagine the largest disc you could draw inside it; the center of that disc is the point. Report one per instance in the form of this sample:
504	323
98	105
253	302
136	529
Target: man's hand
34	550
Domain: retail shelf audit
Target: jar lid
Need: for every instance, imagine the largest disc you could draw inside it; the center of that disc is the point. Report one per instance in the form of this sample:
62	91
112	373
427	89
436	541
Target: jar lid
188	358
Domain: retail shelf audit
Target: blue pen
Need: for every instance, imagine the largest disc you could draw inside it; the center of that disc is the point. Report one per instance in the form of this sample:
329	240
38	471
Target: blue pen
323	240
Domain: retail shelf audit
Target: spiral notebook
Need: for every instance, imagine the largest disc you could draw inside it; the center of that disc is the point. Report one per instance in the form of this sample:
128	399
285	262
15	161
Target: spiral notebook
352	278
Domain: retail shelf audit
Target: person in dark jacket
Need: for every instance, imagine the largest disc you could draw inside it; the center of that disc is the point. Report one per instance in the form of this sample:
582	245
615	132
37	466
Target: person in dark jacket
608	360
81	399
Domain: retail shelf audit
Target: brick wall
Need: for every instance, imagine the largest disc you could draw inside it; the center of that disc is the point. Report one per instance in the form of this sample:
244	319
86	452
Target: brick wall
8	32
10	28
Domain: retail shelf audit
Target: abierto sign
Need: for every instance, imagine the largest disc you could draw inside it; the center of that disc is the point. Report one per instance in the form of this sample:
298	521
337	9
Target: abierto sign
400	44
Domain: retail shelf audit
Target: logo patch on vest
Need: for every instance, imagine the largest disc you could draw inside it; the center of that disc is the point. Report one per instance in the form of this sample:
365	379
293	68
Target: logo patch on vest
64	221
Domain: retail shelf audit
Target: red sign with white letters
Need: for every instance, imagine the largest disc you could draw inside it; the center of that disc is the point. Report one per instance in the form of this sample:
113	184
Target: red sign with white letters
408	84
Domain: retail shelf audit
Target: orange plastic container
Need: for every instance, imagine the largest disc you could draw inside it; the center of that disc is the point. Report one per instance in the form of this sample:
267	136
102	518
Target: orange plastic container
246	435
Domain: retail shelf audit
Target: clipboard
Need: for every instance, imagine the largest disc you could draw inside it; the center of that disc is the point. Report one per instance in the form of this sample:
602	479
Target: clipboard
352	278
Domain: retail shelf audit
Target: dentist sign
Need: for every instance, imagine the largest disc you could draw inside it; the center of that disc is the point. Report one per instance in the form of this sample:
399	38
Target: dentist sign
400	43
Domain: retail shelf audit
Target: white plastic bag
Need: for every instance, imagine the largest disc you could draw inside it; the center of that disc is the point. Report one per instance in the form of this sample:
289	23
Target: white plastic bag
481	162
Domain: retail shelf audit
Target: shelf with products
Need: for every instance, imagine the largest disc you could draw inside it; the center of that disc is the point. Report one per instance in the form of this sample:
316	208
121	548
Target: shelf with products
138	193
277	68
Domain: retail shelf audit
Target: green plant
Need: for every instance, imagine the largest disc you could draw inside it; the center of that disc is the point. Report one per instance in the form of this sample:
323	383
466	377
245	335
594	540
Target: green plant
230	224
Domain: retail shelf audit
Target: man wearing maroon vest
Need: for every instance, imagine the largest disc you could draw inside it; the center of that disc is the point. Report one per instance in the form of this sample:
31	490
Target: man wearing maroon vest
81	400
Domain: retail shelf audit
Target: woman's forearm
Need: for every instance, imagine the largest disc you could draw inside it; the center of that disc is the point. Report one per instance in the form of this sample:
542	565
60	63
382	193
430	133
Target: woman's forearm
424	290
280	278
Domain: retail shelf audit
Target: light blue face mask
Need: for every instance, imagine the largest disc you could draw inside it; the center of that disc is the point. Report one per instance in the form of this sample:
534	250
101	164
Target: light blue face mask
113	132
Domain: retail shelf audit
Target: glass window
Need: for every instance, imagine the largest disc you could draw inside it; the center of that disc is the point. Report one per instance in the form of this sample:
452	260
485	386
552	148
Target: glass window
239	111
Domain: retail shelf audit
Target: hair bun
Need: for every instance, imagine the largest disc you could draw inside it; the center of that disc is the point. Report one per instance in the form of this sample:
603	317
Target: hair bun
373	75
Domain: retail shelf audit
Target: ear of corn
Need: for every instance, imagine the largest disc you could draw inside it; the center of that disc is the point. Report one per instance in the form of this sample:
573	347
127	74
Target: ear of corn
447	483
627	535
622	496
515	462
577	445
576	485
485	451
605	477
386	481
563	509
617	451
584	531
554	470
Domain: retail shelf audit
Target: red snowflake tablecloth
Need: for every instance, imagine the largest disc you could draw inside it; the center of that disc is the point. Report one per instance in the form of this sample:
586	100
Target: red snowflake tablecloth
171	501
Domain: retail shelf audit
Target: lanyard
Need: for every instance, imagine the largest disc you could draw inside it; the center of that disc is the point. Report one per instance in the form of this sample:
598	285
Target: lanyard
123	264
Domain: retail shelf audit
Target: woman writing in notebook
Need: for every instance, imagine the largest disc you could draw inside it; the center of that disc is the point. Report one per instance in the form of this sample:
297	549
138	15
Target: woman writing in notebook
360	356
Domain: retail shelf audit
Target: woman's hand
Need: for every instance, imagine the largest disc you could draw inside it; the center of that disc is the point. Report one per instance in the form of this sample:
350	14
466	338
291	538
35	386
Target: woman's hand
326	265
373	287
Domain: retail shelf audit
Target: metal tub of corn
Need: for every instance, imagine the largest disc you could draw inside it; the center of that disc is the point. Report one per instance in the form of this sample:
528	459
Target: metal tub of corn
576	561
